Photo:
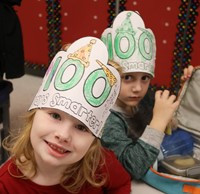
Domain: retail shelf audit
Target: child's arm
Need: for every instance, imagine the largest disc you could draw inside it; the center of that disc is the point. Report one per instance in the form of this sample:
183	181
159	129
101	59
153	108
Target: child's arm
135	156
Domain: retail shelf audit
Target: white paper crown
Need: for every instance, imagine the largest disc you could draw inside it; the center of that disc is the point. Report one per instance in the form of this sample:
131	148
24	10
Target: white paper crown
130	44
81	83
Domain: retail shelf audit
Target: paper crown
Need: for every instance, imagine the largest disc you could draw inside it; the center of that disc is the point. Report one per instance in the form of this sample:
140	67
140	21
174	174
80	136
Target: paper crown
81	83
130	44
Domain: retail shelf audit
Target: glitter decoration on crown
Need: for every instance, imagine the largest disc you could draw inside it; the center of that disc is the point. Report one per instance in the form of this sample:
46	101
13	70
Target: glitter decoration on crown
130	44
81	83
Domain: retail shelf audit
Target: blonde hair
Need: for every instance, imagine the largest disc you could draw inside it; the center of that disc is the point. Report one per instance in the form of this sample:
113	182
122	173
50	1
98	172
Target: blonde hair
82	172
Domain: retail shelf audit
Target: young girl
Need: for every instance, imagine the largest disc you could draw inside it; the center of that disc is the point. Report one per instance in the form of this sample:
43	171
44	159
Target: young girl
135	129
59	150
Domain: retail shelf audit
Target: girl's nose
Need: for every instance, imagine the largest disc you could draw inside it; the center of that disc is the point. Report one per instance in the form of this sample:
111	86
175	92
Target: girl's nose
63	135
61	138
137	87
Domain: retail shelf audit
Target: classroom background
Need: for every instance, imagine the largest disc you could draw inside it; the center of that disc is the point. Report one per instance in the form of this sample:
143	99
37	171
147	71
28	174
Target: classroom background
47	25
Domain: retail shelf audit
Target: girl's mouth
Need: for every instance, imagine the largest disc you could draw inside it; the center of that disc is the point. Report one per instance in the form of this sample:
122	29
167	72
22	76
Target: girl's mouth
57	148
134	98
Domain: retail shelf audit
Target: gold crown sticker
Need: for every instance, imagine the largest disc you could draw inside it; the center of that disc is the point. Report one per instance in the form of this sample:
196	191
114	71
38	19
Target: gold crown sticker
111	78
83	53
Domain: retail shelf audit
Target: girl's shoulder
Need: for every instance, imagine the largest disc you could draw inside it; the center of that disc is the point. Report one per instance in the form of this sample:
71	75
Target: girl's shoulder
118	177
111	160
9	167
108	154
4	167
115	117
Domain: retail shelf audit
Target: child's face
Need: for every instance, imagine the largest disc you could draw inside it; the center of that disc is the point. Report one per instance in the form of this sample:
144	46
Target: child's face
59	139
134	87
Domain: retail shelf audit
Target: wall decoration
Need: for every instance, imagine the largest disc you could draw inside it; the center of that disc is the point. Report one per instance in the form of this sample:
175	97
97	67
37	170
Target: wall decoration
54	27
184	41
115	7
48	24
